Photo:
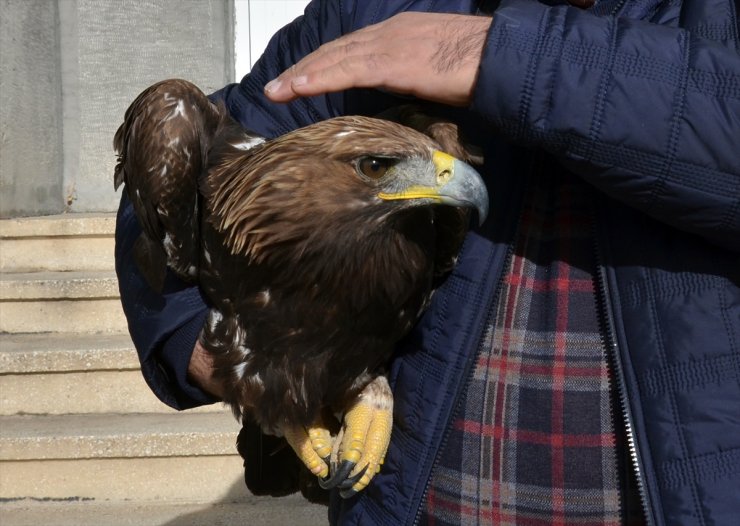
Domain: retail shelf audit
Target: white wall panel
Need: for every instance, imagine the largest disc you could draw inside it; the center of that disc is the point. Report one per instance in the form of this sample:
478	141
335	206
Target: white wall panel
256	22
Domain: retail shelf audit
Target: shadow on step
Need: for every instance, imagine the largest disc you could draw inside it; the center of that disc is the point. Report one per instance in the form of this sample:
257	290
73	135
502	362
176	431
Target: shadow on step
237	508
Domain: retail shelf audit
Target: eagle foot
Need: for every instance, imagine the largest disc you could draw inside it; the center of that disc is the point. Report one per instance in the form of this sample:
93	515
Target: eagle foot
363	440
351	459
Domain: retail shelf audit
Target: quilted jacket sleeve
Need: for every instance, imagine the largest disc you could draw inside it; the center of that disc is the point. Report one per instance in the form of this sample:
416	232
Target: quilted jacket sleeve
163	327
649	114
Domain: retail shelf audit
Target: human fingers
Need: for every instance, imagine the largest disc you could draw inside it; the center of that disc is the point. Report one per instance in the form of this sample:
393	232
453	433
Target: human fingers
431	56
353	72
349	61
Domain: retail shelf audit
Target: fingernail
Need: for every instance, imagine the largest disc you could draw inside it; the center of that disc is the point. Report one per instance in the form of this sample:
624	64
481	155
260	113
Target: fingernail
273	85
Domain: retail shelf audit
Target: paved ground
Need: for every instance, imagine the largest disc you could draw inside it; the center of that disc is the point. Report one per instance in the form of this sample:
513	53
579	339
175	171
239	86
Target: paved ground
255	512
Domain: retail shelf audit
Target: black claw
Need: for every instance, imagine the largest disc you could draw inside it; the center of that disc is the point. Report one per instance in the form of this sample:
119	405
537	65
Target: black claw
347	493
326	479
351	481
345	468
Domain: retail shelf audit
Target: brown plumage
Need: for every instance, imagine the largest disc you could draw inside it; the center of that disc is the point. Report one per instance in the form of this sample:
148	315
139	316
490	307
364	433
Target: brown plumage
318	249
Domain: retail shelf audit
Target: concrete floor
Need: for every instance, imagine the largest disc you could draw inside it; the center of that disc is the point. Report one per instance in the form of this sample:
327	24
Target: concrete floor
255	512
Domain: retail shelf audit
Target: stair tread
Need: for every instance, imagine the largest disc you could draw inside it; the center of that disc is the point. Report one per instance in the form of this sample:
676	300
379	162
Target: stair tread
136	435
58	285
265	511
78	224
56	275
58	352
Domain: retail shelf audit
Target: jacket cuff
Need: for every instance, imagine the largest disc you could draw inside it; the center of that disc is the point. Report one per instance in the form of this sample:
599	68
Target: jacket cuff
520	90
174	358
503	89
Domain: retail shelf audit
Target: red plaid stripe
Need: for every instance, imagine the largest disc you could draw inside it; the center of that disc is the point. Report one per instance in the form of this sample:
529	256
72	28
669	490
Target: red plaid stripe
534	441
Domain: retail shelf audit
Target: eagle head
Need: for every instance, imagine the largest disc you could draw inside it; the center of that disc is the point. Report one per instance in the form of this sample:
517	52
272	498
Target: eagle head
356	173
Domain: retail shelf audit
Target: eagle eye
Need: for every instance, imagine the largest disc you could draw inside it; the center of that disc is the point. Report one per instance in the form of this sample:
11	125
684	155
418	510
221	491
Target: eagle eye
375	167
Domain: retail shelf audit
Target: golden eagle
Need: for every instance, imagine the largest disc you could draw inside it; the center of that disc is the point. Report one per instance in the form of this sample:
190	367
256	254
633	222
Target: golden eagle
318	251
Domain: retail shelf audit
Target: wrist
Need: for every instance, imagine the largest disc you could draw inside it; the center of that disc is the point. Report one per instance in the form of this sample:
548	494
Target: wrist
201	369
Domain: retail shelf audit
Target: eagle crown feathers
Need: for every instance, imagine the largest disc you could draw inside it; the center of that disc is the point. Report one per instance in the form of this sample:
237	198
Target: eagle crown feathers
262	201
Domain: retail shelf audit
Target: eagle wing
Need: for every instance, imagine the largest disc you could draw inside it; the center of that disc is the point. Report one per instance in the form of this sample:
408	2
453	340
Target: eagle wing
162	148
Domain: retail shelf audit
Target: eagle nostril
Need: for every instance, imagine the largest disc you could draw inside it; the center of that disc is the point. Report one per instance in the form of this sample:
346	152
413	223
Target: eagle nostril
443	177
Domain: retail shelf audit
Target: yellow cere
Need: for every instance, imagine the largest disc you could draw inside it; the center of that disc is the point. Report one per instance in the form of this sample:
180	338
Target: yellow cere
444	164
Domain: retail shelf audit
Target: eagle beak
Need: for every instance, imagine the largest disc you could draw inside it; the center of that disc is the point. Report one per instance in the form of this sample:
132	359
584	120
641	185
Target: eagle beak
455	184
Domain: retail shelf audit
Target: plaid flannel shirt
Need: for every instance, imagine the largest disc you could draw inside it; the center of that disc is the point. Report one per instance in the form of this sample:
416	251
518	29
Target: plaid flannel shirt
534	440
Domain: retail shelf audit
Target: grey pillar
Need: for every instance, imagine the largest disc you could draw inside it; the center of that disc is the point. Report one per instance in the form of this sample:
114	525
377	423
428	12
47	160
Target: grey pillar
75	65
30	109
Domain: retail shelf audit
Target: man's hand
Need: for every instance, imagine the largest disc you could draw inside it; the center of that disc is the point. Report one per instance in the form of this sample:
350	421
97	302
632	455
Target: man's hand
429	55
200	372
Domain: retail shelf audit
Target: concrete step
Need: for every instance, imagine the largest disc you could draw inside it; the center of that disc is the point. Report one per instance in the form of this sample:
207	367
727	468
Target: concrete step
74	373
187	457
75	301
58	353
255	511
57	243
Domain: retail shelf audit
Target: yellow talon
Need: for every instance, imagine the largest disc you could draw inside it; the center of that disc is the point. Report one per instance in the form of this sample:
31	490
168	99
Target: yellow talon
367	431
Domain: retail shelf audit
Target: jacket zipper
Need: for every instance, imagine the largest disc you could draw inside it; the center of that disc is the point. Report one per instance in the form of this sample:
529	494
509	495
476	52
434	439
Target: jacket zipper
618	7
614	360
606	316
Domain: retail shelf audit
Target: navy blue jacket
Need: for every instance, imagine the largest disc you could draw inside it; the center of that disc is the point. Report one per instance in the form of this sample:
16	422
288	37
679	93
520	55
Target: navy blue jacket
641	99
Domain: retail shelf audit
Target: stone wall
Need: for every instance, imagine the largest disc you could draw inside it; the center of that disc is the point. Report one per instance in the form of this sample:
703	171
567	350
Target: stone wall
69	70
30	108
